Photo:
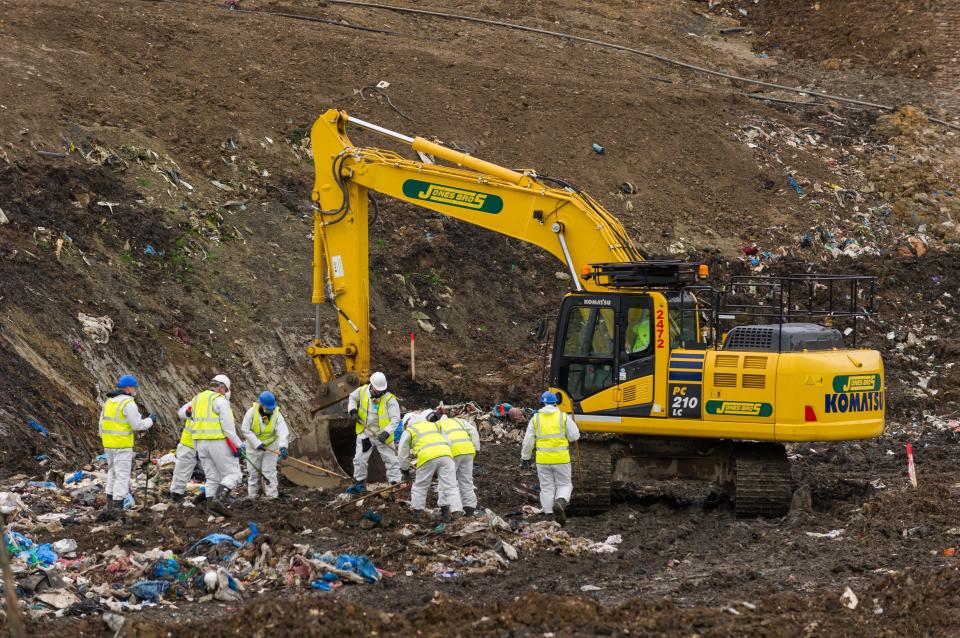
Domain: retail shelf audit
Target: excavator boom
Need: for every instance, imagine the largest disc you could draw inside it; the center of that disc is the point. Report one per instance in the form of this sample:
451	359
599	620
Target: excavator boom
551	214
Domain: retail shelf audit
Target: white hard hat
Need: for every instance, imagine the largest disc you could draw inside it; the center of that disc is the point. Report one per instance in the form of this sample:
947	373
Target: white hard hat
222	378
379	381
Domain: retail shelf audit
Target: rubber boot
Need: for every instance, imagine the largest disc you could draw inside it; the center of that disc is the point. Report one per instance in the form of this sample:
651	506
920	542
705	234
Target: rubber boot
444	513
176	497
221	502
469	511
560	511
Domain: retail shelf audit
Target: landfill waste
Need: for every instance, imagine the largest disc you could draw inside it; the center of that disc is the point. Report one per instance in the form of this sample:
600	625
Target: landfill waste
97	328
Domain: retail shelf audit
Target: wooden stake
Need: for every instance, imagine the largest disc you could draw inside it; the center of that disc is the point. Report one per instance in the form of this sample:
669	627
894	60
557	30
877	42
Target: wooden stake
911	468
17	630
413	359
310	465
579	463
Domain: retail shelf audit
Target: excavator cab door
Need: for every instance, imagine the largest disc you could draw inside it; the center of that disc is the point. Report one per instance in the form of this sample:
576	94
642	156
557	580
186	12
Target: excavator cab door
584	362
637	335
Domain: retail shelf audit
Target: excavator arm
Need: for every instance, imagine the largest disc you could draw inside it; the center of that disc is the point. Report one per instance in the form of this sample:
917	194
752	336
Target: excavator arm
549	213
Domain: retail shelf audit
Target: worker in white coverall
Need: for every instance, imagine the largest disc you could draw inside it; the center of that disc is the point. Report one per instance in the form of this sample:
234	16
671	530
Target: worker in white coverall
464	443
214	434
377	413
186	460
550	432
267	436
119	419
424	440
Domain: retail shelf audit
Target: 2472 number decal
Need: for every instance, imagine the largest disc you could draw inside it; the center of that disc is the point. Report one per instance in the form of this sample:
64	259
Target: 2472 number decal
661	327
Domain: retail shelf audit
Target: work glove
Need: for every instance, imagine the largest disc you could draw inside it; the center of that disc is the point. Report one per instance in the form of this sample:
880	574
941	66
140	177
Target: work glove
525	464
284	454
190	412
405	474
353	413
365	445
155	418
383	437
261	447
240	451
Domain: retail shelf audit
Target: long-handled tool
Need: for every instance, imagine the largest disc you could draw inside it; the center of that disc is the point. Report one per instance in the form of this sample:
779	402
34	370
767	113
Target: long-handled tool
398	486
243	456
579	462
311	465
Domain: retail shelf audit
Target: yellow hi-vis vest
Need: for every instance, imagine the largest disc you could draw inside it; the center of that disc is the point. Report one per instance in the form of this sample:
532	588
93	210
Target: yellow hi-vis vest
550	431
267	434
428	442
186	438
459	437
363	406
205	423
115	431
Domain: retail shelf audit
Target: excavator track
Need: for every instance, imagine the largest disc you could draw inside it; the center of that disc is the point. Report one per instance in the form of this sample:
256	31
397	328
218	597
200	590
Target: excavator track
592	468
763	480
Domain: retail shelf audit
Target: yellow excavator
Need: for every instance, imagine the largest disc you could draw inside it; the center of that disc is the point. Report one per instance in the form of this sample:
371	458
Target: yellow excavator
640	354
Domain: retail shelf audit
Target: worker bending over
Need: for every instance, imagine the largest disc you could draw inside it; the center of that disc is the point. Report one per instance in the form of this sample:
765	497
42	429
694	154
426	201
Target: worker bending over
186	461
119	419
214	434
377	413
550	432
464	444
424	440
266	432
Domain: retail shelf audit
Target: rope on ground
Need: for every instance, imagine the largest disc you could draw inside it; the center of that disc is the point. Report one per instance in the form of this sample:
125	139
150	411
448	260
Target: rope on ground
620	47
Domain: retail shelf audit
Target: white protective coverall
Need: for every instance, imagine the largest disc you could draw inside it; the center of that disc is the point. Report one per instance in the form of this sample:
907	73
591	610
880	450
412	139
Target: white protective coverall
367	440
120	460
464	466
556	480
263	459
183	469
443	467
217	460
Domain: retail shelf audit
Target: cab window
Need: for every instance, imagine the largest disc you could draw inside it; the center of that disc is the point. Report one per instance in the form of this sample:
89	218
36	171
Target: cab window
588	351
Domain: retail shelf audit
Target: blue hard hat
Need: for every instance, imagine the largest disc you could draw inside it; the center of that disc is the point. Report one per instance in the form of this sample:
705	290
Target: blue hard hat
268	401
127	381
548	398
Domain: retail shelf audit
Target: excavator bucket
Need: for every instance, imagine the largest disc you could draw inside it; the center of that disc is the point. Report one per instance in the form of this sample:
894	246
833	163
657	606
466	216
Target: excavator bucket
328	442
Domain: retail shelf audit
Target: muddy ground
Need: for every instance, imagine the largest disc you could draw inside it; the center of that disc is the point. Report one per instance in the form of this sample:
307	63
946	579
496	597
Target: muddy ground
686	564
179	126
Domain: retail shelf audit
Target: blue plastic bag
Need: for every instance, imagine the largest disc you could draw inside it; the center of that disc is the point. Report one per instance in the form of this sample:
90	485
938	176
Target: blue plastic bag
166	569
50	485
373	516
254	531
128	501
76	477
330	577
39	428
16	542
359	564
150	590
215	539
322	585
43	555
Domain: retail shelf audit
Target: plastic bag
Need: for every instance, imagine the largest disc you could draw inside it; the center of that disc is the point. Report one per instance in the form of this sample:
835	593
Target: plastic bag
65	546
128	502
322	585
150	590
50	485
42	555
76	477
358	564
167	569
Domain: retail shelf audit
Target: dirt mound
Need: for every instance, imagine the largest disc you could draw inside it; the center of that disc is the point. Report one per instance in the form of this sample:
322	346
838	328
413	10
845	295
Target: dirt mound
902	38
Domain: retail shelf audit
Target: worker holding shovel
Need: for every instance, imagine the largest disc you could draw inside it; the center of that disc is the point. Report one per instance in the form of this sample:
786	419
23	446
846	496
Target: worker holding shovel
267	436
